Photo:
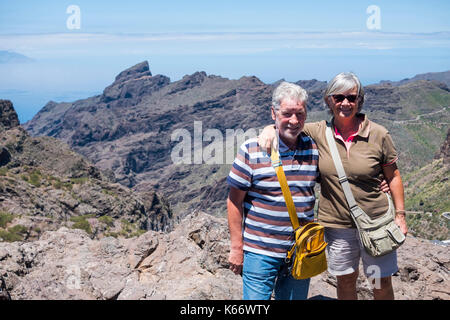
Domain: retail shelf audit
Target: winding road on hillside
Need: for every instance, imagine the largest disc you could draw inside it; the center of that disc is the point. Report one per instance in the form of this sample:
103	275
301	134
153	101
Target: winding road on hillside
420	116
445	214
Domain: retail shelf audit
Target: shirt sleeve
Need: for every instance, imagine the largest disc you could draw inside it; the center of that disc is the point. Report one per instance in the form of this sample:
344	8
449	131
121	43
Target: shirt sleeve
241	173
390	155
312	129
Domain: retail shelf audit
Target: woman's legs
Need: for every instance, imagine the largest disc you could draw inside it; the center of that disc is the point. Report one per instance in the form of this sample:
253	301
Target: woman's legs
343	255
344	252
385	290
346	286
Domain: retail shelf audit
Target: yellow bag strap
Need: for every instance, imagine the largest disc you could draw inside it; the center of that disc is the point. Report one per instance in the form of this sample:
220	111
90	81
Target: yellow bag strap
277	165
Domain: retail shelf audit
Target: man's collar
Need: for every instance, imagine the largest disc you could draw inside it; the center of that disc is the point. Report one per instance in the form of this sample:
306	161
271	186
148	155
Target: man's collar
284	148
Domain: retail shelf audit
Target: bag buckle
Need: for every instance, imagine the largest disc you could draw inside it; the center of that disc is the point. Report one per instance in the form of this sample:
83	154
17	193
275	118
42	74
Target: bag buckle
343	179
354	210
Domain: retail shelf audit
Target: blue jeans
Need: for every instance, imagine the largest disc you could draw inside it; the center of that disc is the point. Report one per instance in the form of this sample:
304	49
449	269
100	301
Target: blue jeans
262	274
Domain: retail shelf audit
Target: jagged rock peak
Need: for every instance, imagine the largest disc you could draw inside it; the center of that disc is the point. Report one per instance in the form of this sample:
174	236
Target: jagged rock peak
312	84
133	83
192	80
196	75
8	116
189	81
251	79
136	71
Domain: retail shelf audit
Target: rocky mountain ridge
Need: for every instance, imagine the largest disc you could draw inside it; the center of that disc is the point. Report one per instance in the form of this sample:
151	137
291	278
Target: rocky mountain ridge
442	77
129	129
45	185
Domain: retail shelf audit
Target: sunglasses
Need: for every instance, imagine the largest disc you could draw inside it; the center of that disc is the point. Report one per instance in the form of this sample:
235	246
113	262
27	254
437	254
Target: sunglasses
341	97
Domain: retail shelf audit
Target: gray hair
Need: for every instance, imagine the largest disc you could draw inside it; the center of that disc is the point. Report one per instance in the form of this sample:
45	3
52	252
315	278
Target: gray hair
345	81
287	90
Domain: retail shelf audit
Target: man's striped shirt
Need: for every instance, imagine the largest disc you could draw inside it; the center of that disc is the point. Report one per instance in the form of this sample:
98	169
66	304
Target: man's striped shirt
267	226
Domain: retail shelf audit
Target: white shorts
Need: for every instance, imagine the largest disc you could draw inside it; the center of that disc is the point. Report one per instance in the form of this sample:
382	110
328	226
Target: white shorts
344	251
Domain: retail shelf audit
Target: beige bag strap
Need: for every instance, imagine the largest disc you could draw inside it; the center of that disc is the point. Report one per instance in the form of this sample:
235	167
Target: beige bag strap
354	208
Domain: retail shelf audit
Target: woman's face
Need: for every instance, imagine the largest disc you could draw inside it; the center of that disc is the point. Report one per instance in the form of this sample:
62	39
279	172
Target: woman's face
344	105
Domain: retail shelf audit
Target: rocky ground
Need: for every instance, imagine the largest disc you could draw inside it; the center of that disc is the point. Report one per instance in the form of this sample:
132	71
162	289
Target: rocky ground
188	263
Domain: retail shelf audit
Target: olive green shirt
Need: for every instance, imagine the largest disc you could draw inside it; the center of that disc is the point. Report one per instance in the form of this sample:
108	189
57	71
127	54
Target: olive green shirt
371	149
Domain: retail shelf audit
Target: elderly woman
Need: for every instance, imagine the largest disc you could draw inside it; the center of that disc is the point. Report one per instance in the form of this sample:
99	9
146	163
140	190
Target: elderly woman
367	153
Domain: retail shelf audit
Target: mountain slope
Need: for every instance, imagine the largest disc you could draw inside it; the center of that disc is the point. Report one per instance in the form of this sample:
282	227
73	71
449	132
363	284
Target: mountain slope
44	185
140	122
427	193
443	77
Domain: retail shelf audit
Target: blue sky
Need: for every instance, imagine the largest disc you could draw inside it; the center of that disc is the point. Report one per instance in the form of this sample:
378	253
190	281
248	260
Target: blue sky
38	16
294	40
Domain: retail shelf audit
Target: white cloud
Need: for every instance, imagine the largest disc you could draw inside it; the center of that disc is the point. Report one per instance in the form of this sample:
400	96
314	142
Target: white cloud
94	44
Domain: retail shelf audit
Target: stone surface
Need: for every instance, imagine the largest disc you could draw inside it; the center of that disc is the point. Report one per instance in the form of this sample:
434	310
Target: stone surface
188	263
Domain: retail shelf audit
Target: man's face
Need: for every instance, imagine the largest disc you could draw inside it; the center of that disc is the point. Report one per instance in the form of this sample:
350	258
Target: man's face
290	119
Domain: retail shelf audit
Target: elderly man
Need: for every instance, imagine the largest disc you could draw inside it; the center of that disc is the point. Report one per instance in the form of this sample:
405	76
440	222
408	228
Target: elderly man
259	246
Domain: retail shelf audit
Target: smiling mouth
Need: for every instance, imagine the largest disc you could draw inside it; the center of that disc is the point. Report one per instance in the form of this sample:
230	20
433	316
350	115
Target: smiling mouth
349	110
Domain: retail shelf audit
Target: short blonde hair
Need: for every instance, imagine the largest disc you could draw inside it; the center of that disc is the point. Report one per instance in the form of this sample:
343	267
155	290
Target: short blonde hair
345	81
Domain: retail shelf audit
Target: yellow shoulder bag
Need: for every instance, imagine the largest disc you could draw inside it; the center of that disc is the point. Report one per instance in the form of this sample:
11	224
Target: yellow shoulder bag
306	258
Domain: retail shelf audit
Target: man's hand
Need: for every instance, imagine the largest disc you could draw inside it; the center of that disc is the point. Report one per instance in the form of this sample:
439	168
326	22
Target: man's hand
236	260
235	203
